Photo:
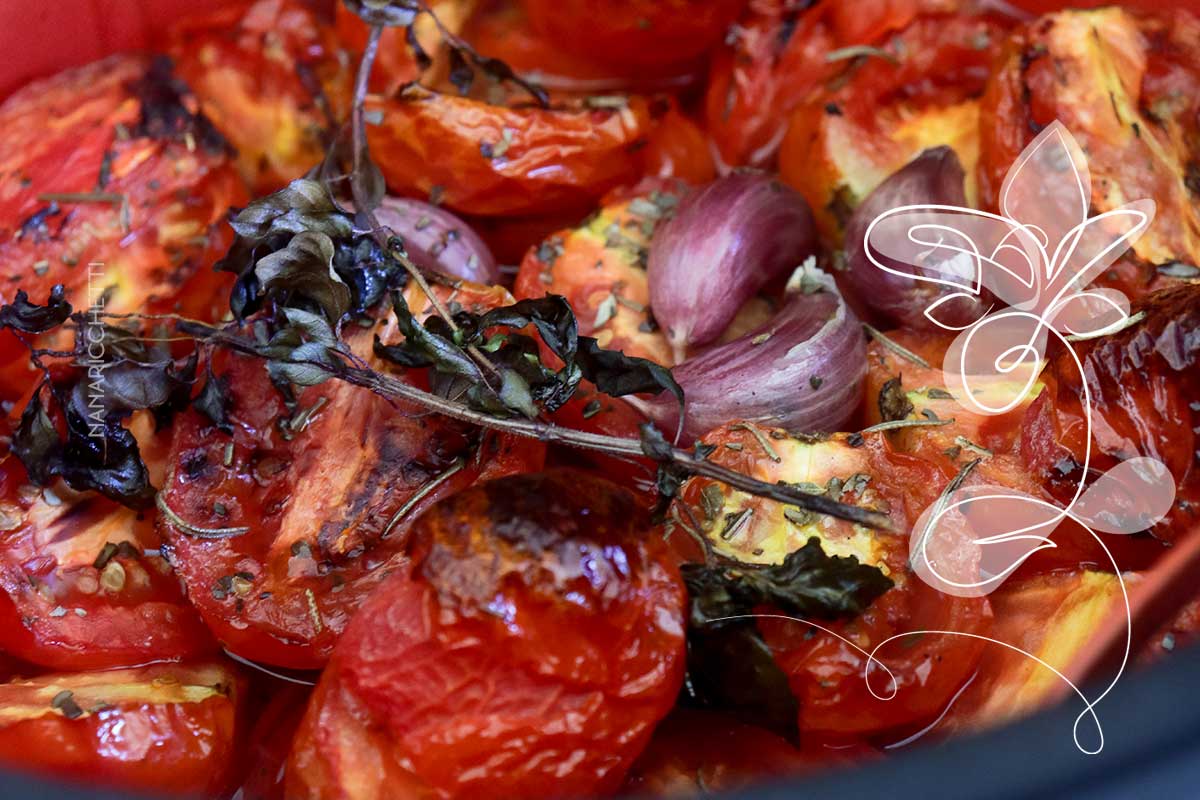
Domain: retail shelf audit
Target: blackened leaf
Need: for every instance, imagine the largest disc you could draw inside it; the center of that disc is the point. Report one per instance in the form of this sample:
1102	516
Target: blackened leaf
36	442
304	205
617	374
808	583
103	456
30	317
654	444
893	401
729	665
551	315
402	355
305	268
213	400
731	668
500	71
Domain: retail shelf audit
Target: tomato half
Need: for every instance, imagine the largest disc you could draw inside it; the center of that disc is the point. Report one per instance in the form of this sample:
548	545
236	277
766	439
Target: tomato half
537	635
327	490
82	583
825	672
272	80
163	728
487	159
116	189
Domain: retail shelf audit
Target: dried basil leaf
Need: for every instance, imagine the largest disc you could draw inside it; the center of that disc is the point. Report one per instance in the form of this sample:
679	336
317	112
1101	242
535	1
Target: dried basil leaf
893	401
305	268
808	583
36	442
28	317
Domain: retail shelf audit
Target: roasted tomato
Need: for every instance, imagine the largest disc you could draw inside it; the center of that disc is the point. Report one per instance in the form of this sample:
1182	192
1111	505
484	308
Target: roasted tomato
693	753
600	267
1127	88
502	30
1050	617
634	35
1019	449
323	494
1144	384
487	159
271	79
528	651
921	93
826	673
776	57
164	728
82	584
116	188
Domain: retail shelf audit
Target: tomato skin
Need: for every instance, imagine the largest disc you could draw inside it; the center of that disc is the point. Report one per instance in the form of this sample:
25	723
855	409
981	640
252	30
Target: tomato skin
162	728
60	136
776	57
676	147
272	80
633	35
318	501
696	752
1144	384
538	636
557	159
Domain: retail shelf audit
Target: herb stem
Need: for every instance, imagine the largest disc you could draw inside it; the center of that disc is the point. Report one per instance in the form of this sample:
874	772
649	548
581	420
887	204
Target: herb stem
692	464
362	200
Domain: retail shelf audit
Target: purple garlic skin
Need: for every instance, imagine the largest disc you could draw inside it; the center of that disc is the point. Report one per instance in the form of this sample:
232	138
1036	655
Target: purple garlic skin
935	177
726	241
803	370
438	240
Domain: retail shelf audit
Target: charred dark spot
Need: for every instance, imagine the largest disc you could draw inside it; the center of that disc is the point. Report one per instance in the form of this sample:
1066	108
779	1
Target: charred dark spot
194	464
170	111
1191	177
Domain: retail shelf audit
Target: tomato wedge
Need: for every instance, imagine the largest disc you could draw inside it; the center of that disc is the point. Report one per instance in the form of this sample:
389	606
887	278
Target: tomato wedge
311	504
163	728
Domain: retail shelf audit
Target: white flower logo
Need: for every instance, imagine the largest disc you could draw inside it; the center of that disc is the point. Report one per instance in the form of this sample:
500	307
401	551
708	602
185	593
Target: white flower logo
1037	258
